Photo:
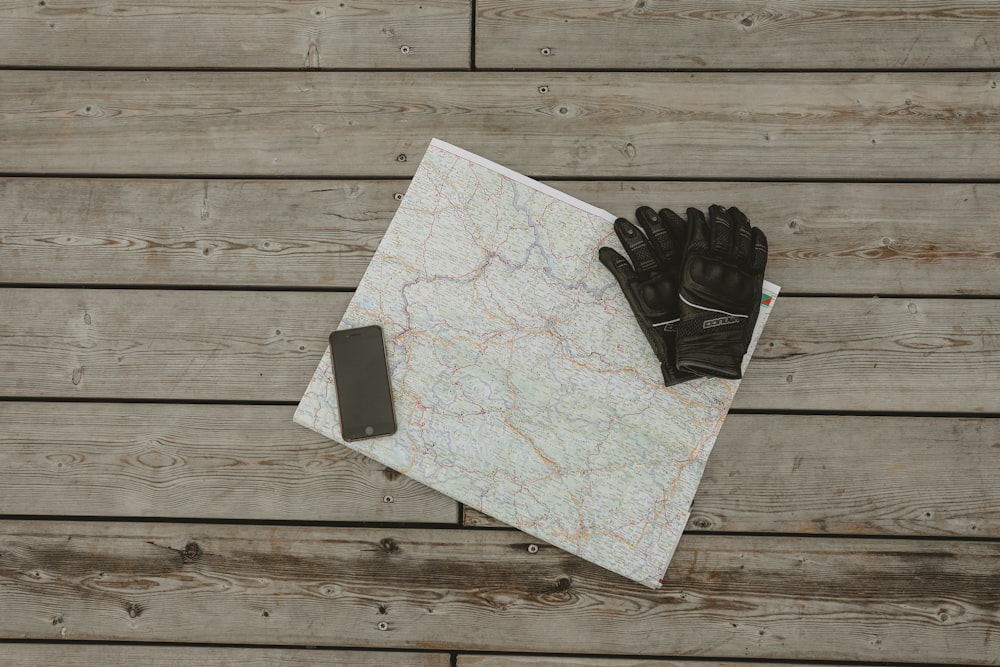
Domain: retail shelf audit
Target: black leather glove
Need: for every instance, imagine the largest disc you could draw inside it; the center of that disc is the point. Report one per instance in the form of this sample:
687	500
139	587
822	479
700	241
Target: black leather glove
652	280
720	292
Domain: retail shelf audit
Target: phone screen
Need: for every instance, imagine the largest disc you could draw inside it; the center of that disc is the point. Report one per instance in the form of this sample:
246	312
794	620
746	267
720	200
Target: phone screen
361	375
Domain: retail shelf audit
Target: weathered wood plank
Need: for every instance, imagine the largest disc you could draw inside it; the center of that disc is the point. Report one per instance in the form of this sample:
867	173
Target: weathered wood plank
844	238
847	476
938	355
118	655
184	345
877	354
767	473
192	232
853	475
295	34
755	597
593	125
577	661
194	461
724	34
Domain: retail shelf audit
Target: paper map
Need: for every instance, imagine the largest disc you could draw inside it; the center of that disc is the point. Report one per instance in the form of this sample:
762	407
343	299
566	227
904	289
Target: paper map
522	385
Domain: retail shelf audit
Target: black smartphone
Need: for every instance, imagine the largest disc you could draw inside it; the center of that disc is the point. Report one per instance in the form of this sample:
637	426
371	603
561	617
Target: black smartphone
361	375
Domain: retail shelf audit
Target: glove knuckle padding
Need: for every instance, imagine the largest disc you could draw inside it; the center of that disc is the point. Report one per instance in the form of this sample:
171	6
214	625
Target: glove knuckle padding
713	284
659	296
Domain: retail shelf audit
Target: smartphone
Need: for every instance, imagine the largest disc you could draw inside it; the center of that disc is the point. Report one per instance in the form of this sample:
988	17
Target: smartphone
361	376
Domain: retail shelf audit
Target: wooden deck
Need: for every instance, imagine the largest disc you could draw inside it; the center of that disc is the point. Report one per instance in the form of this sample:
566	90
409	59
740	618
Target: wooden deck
189	191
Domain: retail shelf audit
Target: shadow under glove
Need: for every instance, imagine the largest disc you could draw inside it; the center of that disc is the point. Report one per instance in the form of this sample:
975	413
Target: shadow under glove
720	292
651	282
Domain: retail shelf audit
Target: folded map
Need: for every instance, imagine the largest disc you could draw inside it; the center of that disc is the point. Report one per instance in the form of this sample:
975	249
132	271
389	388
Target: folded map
522	385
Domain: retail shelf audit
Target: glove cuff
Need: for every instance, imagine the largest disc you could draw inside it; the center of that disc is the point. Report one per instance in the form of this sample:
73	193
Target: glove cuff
714	365
673	375
710	342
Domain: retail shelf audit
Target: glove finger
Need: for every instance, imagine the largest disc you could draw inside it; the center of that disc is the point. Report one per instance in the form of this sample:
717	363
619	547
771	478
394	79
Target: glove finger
720	230
678	227
698	231
758	259
618	266
636	246
742	236
659	236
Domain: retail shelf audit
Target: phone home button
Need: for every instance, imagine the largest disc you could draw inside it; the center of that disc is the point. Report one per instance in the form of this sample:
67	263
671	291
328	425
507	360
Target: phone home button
369	430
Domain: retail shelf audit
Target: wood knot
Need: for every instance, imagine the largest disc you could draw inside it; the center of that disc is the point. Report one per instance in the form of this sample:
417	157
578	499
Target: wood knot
388	546
192	552
562	585
134	609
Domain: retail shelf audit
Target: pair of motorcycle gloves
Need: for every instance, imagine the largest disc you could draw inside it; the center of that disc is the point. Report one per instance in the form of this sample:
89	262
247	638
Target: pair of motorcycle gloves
694	285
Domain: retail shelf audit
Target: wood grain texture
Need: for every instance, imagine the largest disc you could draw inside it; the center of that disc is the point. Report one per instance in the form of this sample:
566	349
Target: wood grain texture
846	475
194	462
843	238
723	34
937	355
181	345
755	597
592	125
767	473
907	476
294	34
877	354
192	232
117	655
165	146
544	661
